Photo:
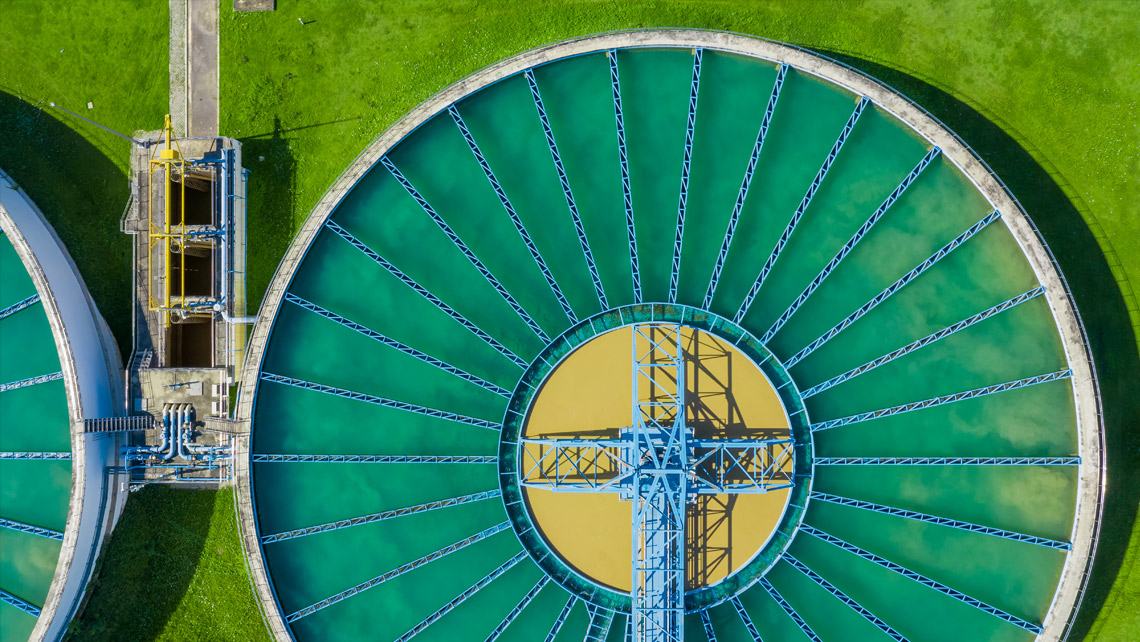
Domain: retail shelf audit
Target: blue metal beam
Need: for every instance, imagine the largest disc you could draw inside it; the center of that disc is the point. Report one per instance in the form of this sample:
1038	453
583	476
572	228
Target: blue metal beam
410	566
746	619
891	289
26	607
519	227
566	191
462	597
942	521
17	306
375	459
686	163
381	401
523	603
847	247
600	622
402	347
938	401
749	171
706	622
925	341
843	597
425	293
807	630
380	517
623	162
31	381
561	619
458	242
921	579
30	529
786	235
947	461
35	455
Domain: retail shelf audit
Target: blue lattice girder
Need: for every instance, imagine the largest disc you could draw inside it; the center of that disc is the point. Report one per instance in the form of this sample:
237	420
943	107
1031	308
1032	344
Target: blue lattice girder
9	454
749	625
381	516
706	624
742	194
31	529
921	579
464	249
945	399
410	566
462	597
946	461
846	249
791	612
425	293
925	341
891	289
19	305
786	235
397	345
601	620
31	381
23	605
518	608
262	458
941	521
571	204
506	202
686	164
560	619
623	164
381	401
843	597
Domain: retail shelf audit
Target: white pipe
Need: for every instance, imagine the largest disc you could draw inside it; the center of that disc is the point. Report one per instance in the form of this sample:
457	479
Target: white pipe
219	308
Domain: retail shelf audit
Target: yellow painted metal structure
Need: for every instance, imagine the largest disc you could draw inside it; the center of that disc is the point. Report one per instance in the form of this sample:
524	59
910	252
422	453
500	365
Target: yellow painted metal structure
170	235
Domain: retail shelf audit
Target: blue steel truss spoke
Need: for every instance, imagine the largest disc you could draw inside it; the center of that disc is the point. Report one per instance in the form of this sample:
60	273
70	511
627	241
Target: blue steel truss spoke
462	597
600	622
921	579
561	619
847	247
31	381
623	162
789	610
19	305
925	341
947	461
746	619
706	621
797	215
380	517
392	343
686	163
938	401
942	521
566	191
375	459
381	401
749	171
26	607
30	529
502	194
410	566
35	455
893	288
425	293
458	242
523	603
843	597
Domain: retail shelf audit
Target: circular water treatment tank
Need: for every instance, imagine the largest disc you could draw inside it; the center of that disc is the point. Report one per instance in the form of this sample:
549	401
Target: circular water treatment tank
459	348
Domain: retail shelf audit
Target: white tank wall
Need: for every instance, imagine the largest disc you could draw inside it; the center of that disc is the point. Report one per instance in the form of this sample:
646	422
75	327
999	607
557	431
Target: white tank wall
93	378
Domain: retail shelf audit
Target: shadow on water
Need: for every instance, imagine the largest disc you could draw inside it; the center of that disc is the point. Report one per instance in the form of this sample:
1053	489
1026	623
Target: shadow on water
1097	294
147	565
271	201
81	192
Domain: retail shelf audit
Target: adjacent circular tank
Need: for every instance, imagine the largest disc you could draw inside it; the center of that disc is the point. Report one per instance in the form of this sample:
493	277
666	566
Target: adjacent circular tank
58	366
927	358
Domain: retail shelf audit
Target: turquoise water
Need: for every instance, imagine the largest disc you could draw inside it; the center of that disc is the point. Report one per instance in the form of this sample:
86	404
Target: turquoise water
32	419
984	271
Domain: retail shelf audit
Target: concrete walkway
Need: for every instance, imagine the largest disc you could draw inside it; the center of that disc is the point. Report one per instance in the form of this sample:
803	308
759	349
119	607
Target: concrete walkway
194	66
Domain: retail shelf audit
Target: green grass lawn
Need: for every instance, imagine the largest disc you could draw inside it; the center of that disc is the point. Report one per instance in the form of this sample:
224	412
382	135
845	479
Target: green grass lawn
1047	92
172	571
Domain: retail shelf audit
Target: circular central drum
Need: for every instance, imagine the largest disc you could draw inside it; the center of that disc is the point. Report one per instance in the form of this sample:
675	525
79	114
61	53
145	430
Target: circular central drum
591	396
